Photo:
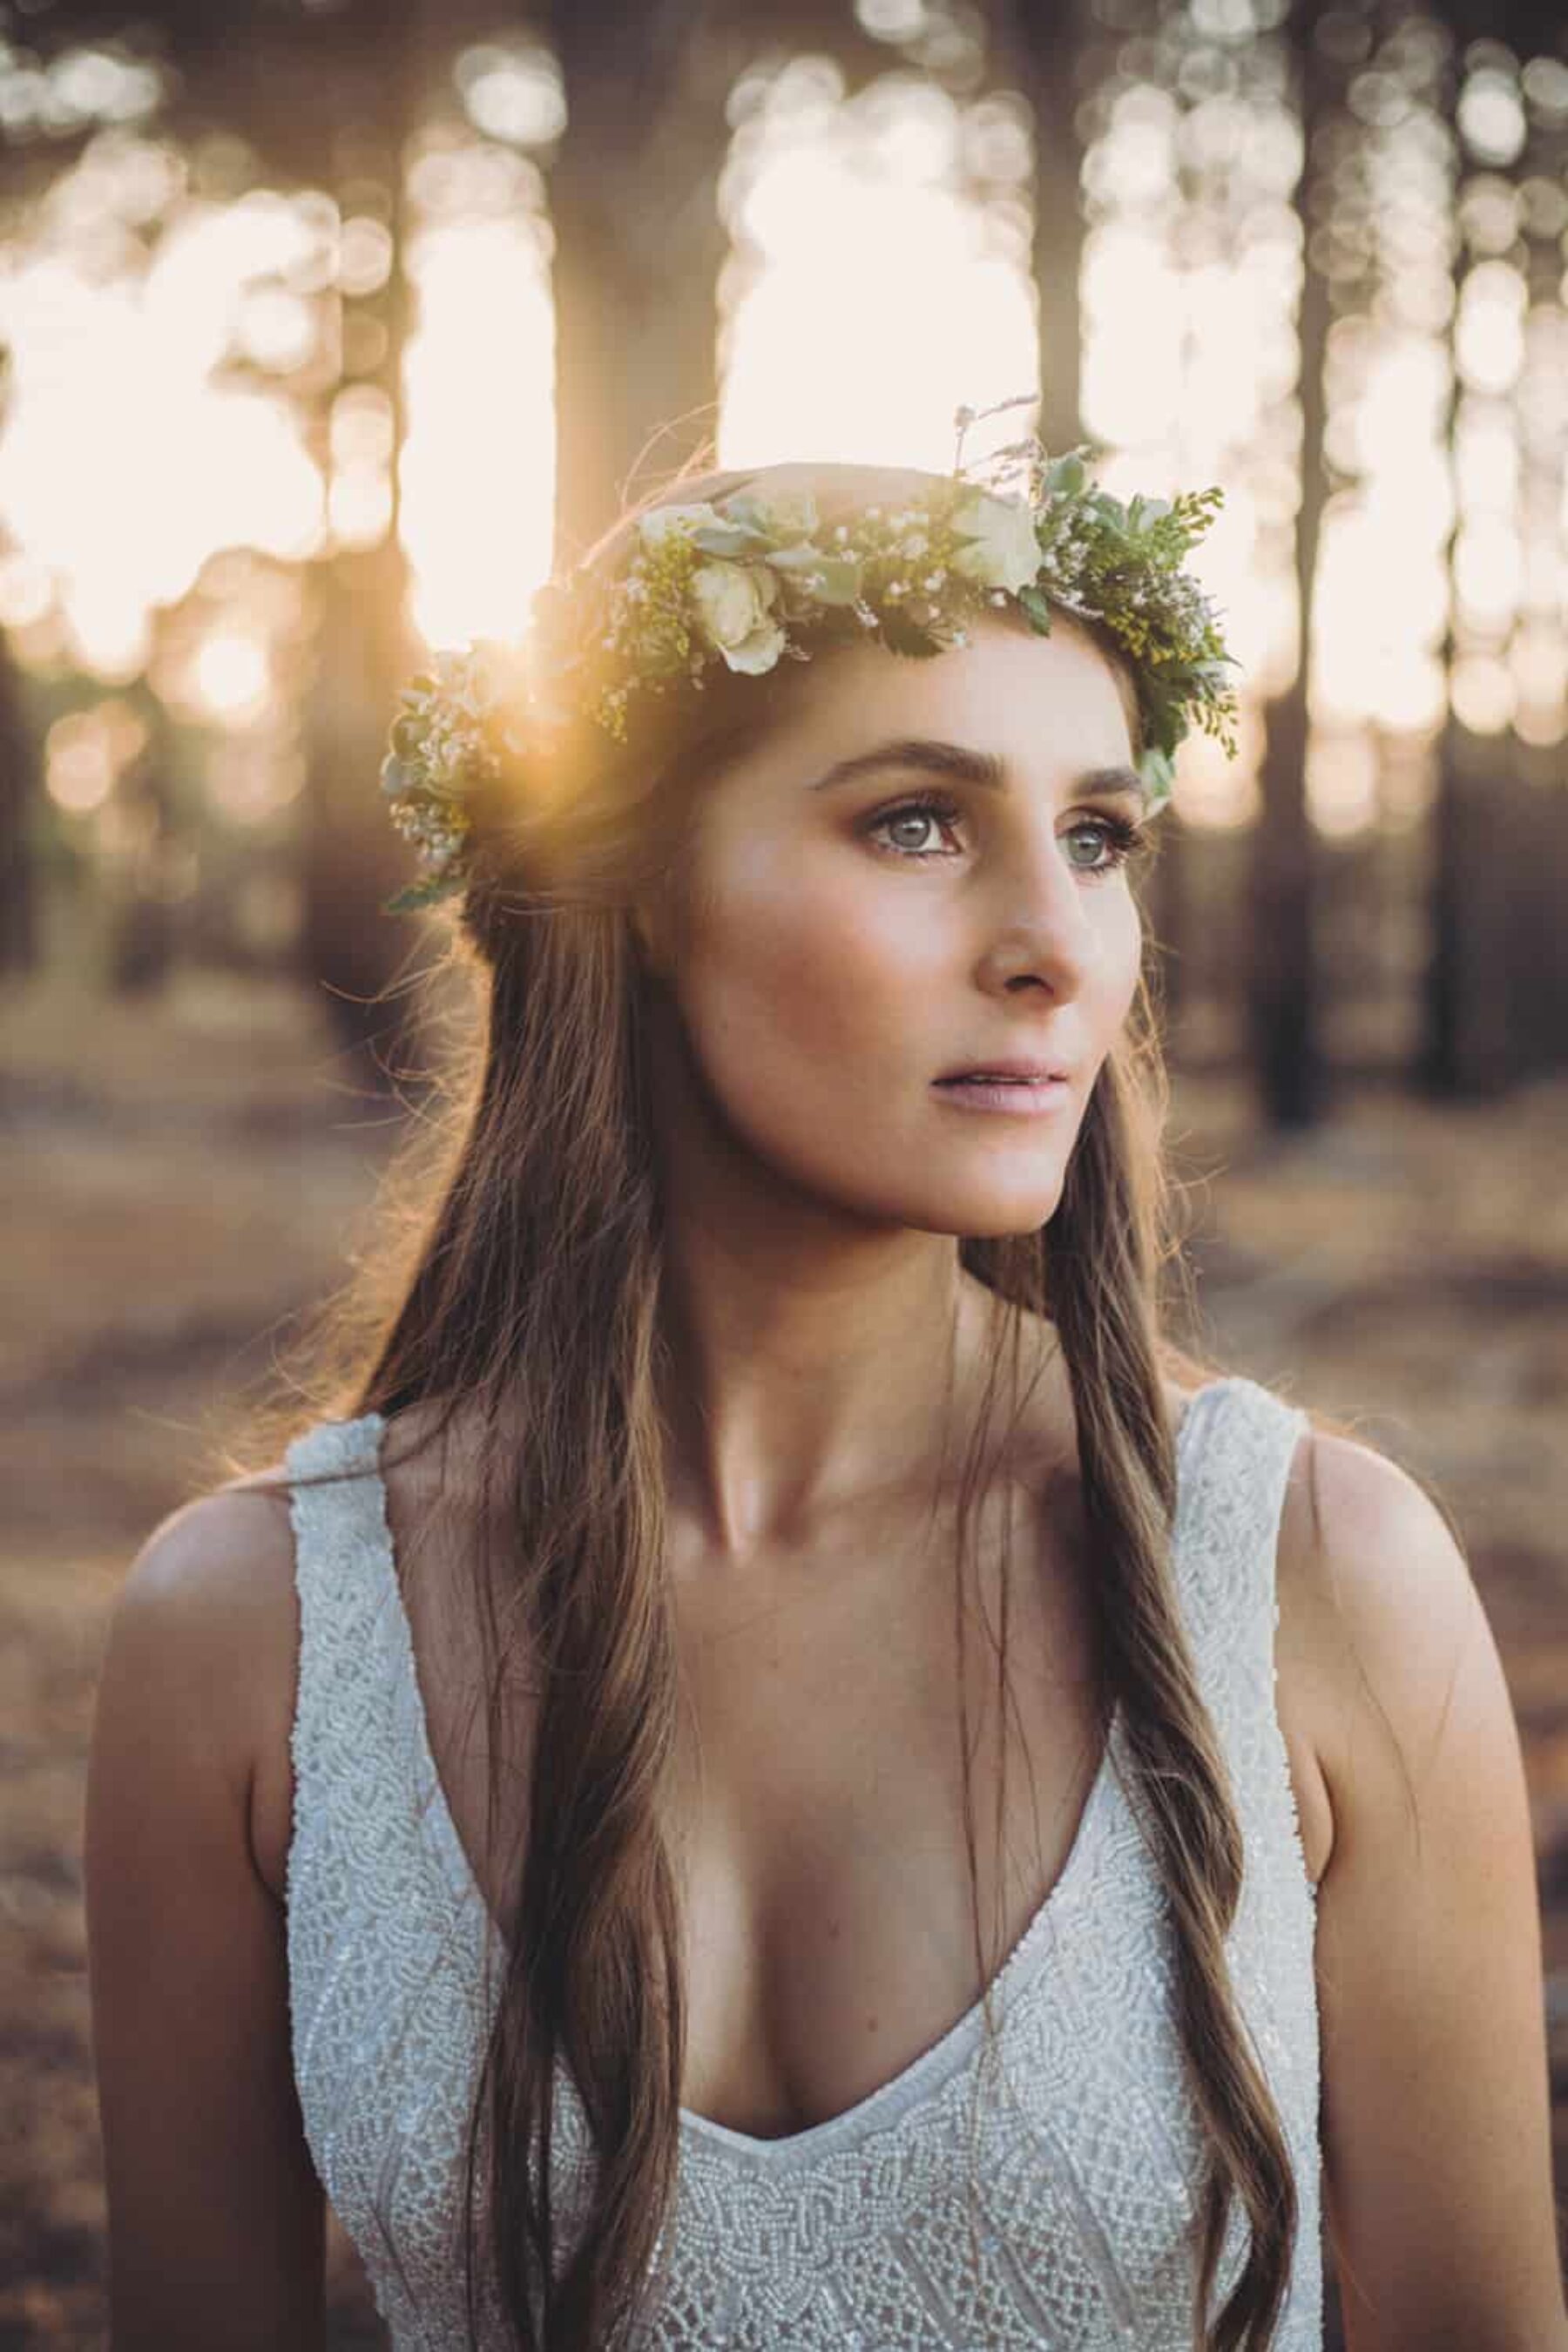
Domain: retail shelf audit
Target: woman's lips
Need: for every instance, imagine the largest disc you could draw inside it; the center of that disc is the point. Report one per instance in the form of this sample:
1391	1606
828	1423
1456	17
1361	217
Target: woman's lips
1024	1098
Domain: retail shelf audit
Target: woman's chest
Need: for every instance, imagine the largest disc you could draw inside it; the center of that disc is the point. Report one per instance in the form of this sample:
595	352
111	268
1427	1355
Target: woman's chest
834	1881
858	1795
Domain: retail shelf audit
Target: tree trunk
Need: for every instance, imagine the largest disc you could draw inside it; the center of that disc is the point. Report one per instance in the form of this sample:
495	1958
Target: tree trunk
639	239
1048	53
639	244
350	858
1289	1073
19	781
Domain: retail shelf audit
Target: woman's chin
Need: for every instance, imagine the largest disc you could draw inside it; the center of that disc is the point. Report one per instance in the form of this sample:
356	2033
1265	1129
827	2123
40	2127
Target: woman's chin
989	1216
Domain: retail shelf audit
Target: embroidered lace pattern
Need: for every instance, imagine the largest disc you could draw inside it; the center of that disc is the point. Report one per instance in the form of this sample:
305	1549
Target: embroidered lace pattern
954	2209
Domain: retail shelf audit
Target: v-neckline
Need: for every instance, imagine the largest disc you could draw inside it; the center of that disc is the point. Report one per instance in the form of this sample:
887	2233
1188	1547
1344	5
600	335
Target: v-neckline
942	2057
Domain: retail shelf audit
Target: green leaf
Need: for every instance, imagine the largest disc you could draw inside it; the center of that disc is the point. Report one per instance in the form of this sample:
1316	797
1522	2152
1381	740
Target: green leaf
1038	608
1158	773
1066	477
415	895
902	636
748	511
727	539
831	579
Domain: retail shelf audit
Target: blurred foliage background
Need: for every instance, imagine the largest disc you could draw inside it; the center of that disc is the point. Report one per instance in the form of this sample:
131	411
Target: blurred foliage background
328	327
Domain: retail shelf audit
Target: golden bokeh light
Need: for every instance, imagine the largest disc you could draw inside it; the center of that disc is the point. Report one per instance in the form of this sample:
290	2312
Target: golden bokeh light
215	398
86	751
866	303
232	676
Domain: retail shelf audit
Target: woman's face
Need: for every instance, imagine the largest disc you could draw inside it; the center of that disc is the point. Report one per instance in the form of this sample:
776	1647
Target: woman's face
833	950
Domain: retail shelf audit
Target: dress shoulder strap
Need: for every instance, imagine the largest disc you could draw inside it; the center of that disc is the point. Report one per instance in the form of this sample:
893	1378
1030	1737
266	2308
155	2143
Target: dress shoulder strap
1238	1466
1238	1474
337	1506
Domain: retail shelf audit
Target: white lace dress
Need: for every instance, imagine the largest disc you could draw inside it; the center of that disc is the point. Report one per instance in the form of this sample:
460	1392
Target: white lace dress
884	2229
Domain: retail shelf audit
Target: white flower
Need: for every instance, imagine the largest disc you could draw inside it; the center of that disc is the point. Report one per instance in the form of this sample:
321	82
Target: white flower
790	515
662	521
1002	551
733	604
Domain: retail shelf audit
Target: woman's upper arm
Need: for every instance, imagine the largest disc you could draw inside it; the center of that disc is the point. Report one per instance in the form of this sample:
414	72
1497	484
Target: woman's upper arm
1436	2118
215	2217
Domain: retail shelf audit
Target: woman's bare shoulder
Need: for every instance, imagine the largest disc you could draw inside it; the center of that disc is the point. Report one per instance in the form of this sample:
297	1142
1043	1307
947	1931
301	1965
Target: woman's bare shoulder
208	1608
216	1564
1427	1930
1369	1561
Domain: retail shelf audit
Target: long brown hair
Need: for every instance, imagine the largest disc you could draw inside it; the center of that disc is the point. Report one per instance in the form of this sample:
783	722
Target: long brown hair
529	1293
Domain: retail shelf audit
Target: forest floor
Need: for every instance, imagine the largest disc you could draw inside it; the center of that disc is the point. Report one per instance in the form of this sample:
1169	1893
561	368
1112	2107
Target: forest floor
183	1178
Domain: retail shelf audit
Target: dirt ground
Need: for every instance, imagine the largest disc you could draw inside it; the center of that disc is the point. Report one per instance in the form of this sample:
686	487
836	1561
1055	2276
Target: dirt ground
181	1180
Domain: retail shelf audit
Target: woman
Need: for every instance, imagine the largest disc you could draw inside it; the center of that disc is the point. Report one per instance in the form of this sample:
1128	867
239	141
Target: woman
924	1862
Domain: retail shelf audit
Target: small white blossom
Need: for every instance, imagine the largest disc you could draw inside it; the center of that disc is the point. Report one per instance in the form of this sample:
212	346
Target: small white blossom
660	521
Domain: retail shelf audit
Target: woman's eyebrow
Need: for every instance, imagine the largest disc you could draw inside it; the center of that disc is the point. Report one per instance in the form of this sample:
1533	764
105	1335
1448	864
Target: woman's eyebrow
935	758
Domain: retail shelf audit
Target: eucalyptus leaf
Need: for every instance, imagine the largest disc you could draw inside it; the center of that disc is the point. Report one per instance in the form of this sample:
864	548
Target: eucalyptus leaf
902	636
1037	607
727	539
1158	773
429	892
832	579
752	512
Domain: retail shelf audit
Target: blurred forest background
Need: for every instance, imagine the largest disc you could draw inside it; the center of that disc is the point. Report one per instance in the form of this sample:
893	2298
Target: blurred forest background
328	327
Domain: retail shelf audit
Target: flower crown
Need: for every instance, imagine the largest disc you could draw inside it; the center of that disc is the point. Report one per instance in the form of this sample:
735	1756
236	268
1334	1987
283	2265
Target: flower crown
746	578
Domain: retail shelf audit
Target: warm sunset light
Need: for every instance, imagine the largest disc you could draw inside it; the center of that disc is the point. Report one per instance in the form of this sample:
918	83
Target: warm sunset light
478	470
231	675
1053	1233
880	273
122	464
870	297
86	750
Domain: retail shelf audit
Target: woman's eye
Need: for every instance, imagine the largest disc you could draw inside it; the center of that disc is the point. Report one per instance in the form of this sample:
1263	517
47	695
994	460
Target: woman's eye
1116	838
1122	839
912	817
